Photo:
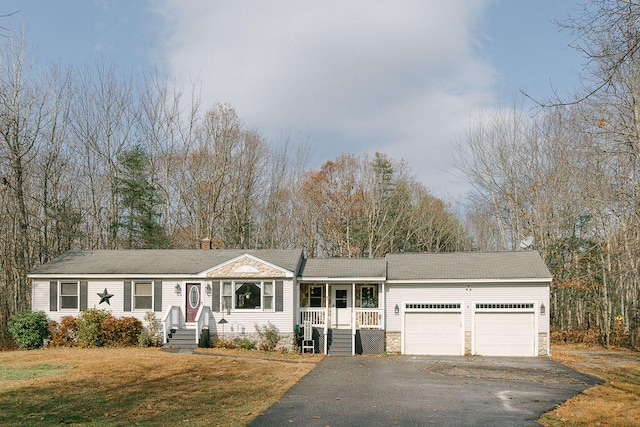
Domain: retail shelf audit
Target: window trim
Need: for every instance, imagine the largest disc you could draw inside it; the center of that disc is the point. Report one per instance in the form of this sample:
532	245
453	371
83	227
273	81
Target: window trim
134	295
61	295
232	286
321	295
374	294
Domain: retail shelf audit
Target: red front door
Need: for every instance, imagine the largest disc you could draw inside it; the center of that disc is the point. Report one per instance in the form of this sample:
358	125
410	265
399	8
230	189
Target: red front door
194	301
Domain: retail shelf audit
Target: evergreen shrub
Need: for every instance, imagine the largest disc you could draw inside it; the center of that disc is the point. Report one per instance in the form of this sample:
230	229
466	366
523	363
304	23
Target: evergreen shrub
29	329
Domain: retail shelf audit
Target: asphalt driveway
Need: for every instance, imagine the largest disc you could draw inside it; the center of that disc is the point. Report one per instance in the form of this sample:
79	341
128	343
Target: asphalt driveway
426	390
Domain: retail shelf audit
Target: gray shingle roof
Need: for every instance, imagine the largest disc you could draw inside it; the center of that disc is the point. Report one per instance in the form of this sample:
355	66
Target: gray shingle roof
158	261
334	268
467	265
414	267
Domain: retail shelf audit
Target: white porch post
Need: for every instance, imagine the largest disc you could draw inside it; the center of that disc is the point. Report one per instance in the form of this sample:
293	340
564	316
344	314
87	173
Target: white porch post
353	319
326	319
384	310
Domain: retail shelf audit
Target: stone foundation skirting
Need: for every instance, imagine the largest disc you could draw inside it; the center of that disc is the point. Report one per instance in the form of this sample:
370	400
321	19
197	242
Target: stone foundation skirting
287	341
543	343
393	342
467	343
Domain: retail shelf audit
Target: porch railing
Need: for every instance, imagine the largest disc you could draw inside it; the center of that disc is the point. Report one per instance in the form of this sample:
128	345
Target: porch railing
171	320
316	315
202	320
368	318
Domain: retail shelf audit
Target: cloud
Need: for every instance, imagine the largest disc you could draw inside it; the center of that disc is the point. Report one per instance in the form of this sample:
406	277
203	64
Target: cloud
359	76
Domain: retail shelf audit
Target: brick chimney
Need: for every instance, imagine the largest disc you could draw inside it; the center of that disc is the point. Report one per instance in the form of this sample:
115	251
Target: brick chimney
205	243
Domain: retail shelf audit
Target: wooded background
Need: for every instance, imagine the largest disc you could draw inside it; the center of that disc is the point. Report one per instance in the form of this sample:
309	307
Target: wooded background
94	158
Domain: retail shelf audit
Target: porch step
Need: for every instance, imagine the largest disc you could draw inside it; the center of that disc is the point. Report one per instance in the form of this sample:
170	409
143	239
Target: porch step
340	342
182	338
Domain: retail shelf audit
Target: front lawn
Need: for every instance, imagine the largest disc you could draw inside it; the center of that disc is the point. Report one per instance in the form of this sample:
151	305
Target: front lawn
142	386
614	403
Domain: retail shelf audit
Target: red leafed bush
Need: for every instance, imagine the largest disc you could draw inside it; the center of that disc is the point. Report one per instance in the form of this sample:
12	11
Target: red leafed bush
63	334
121	332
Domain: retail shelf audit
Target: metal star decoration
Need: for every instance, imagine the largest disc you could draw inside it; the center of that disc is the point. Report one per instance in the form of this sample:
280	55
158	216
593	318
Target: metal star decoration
104	297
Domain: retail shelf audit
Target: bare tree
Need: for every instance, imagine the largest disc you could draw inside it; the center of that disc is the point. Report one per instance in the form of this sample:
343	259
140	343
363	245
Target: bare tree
104	119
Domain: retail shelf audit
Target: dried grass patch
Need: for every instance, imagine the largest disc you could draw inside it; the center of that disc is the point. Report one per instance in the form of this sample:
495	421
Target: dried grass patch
147	386
262	355
614	403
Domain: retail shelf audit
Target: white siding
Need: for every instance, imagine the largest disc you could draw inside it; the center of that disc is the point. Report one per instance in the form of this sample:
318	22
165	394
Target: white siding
246	321
237	320
40	296
468	295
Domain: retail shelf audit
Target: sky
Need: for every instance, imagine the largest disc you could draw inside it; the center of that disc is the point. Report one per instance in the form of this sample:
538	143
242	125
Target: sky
407	78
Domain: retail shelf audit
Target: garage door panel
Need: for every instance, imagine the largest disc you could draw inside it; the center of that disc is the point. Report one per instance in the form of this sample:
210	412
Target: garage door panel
433	333
505	334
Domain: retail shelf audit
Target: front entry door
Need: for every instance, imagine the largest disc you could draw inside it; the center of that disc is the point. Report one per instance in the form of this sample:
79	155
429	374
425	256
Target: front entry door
193	301
341	296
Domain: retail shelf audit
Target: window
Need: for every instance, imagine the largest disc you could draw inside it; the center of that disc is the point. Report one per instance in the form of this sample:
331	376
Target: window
69	295
142	296
341	298
368	297
268	295
194	296
227	295
247	296
315	296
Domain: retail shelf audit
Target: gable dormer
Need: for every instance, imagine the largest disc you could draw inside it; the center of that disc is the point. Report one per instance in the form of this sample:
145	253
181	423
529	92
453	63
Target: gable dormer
247	267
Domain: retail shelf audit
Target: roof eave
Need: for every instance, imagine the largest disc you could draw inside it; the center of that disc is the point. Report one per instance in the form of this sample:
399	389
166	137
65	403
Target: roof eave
342	279
116	276
467	281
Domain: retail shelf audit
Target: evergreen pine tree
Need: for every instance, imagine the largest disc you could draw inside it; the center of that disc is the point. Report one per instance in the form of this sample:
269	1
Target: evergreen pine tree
139	199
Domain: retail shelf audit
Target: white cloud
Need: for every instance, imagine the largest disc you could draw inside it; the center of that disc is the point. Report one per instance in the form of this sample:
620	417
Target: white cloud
399	77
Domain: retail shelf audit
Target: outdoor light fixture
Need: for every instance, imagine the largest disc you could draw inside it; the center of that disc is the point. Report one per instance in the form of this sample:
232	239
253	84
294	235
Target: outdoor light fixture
208	289
397	310
223	322
178	289
542	309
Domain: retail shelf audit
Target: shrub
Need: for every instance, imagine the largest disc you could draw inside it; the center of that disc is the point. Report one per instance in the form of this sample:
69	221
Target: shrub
222	343
29	329
88	332
580	335
246	344
150	336
269	336
122	332
63	334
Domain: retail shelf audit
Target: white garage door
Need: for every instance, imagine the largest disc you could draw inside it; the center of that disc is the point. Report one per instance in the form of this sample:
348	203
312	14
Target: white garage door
437	333
504	333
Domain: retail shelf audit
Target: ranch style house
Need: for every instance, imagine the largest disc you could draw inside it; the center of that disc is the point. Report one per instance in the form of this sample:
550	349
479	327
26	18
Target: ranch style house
472	303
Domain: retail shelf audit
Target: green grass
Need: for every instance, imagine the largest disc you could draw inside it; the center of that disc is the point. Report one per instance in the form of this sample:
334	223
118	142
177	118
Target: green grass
15	373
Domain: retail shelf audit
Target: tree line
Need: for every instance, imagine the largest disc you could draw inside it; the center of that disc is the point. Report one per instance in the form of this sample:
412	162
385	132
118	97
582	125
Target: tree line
568	174
93	158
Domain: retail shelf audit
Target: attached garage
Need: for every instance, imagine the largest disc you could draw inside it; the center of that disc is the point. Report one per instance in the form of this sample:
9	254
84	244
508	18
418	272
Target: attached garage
433	329
475	303
505	329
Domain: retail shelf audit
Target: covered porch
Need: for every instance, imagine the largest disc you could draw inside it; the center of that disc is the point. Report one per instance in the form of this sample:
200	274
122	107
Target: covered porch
344	307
